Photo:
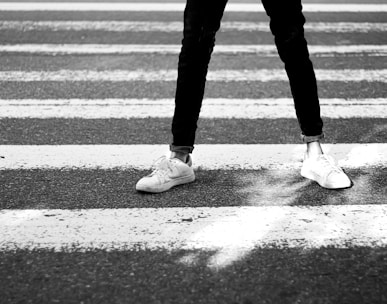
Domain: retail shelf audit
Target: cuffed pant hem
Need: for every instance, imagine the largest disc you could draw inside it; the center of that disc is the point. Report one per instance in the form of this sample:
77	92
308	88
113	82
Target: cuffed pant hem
181	149
308	139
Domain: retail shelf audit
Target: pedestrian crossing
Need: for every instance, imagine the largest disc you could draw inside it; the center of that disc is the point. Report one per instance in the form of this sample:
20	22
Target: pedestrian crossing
168	49
264	75
177	7
207	157
354	226
152	26
220	108
224	228
86	100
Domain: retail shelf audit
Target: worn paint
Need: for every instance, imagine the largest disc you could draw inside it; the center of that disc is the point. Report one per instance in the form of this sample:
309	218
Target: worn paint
153	26
195	228
163	108
261	50
261	75
175	7
206	157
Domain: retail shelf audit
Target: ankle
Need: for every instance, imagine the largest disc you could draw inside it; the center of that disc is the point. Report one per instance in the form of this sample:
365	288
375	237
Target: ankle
180	155
313	149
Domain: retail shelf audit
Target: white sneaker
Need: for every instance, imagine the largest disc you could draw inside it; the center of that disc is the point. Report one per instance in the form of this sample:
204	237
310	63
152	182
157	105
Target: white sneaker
325	172
168	172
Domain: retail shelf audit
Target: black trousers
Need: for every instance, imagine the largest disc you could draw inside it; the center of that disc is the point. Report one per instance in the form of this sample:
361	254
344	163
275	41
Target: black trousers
202	20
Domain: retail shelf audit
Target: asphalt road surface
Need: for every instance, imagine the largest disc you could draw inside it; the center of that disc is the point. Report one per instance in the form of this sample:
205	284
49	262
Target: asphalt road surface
331	261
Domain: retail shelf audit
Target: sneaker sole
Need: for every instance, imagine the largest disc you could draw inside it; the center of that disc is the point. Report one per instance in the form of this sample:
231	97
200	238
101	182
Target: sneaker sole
162	188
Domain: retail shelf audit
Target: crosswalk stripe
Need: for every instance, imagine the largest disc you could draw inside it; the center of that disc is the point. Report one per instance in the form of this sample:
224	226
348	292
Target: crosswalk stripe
152	26
262	75
176	7
195	228
262	50
206	157
163	108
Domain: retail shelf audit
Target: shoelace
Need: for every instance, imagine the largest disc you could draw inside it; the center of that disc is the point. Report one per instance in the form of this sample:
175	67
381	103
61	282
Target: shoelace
162	167
328	165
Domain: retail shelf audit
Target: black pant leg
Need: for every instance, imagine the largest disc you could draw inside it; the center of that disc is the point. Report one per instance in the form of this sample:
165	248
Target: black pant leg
287	25
202	20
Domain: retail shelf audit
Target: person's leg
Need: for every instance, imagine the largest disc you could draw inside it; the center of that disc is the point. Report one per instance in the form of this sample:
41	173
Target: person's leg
287	25
202	20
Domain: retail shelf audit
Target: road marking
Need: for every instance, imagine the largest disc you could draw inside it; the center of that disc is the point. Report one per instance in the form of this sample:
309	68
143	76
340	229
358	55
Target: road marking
176	7
151	26
163	108
207	228
261	50
206	157
262	75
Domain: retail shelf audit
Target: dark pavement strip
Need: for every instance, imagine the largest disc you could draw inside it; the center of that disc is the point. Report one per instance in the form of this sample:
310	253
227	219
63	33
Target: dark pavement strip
157	131
88	189
35	62
178	16
326	275
235	37
92	90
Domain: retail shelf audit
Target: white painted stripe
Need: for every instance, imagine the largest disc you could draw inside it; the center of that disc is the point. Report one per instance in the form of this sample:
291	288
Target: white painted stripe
207	157
175	7
220	229
163	108
152	26
261	50
262	75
